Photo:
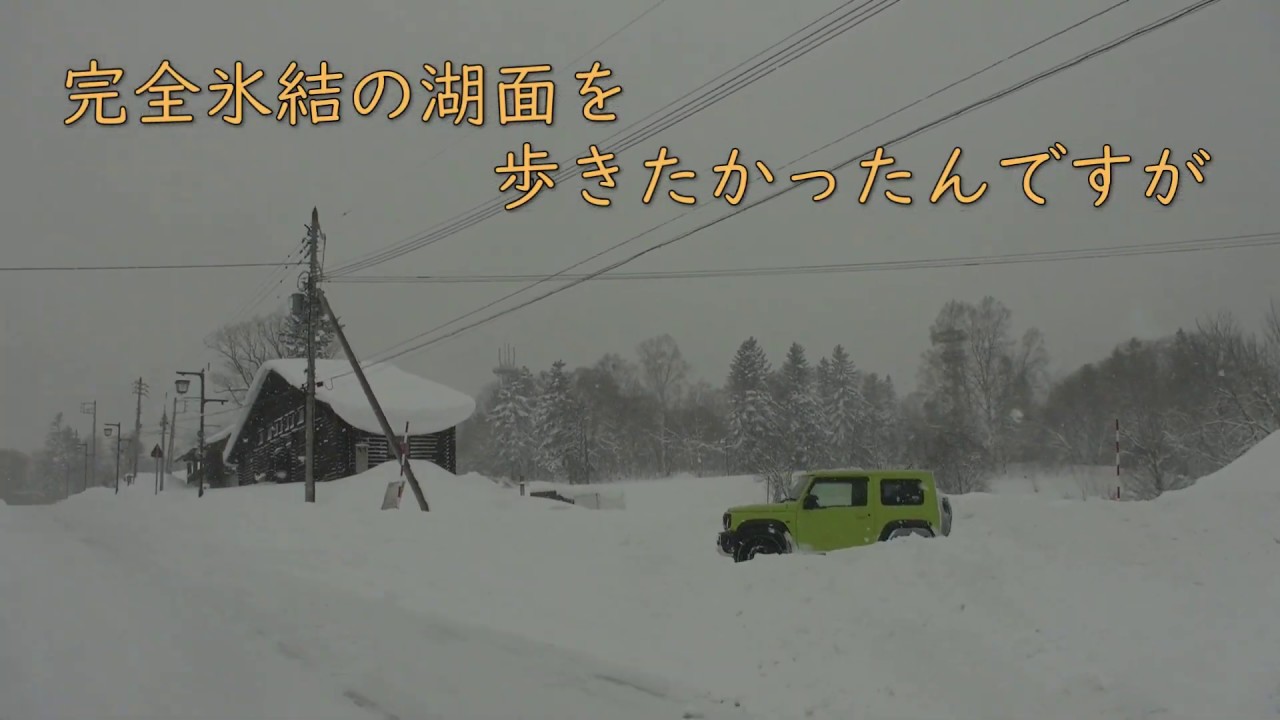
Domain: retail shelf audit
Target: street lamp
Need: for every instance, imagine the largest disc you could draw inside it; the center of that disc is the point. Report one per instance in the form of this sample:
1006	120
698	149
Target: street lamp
106	430
182	385
91	408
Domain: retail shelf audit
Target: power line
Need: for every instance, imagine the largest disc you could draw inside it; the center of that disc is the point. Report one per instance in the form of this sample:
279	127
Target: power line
659	226
705	201
270	283
1158	248
1099	50
626	26
827	29
1225	242
185	266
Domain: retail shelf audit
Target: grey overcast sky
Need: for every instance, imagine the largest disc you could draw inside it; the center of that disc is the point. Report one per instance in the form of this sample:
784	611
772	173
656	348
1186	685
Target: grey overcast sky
209	192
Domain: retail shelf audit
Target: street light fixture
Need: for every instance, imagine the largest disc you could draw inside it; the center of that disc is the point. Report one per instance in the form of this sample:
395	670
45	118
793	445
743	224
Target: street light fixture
106	430
91	408
182	385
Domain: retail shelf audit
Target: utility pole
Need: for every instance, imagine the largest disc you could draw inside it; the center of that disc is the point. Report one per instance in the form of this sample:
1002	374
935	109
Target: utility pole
313	272
91	408
85	446
393	443
164	432
106	430
140	389
173	432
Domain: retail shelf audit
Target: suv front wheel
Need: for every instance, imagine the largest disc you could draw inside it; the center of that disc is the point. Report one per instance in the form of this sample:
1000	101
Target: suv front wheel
908	531
757	545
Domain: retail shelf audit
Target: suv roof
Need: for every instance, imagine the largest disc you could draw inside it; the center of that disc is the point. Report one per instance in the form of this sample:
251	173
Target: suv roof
855	472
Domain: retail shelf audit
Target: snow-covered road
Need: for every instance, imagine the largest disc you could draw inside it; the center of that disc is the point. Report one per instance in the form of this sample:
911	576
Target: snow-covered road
90	626
249	603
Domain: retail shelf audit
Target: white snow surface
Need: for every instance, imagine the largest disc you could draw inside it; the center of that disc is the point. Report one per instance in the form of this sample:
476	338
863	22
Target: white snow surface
249	603
426	406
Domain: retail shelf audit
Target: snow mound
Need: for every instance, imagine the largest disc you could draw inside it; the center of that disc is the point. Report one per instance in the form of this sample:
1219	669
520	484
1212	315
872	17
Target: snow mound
442	488
1255	472
1034	607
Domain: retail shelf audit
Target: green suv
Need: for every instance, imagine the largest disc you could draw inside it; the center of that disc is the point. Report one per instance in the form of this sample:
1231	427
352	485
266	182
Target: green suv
835	509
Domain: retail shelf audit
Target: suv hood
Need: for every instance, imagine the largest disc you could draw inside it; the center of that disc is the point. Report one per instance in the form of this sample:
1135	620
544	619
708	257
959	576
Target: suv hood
762	509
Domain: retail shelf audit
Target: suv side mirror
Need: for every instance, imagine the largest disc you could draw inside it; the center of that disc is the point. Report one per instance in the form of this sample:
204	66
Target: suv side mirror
810	502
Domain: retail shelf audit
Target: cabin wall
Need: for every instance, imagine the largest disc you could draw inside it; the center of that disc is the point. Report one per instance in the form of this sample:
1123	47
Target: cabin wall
439	448
272	443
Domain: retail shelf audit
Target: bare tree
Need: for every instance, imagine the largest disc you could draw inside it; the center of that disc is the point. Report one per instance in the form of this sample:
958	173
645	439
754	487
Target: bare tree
1006	375
242	348
663	371
979	383
1245	376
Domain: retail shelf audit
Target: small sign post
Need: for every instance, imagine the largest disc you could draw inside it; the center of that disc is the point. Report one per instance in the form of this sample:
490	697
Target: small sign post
157	454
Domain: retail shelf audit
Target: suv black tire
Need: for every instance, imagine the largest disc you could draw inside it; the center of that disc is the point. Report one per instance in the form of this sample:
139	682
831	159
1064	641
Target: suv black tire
757	545
909	530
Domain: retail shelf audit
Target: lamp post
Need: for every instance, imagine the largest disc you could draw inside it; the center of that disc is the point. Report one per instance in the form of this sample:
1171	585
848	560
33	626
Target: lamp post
91	408
182	385
106	430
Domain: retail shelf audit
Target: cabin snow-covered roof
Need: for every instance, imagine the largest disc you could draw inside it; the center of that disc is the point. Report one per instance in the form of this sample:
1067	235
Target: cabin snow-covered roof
222	432
426	406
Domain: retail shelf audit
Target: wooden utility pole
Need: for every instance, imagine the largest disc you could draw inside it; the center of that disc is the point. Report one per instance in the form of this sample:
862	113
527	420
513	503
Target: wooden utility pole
164	433
393	442
313	270
86	446
140	389
168	456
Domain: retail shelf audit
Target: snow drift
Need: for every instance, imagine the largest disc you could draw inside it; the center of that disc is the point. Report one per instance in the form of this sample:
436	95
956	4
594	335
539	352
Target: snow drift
1033	608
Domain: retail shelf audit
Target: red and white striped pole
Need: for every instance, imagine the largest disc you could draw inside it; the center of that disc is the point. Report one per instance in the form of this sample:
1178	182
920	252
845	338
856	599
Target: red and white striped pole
405	452
1117	458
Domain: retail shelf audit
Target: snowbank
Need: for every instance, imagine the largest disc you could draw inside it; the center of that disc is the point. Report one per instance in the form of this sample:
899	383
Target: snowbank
424	405
1035	607
600	496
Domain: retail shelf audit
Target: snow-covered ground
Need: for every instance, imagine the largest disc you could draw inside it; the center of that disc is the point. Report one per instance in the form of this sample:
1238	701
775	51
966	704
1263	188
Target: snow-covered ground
1079	482
249	603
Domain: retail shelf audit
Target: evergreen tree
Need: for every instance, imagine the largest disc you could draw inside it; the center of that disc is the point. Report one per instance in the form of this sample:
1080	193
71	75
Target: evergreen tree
801	419
293	337
822	379
513	418
59	459
753	420
842	410
558	429
882	444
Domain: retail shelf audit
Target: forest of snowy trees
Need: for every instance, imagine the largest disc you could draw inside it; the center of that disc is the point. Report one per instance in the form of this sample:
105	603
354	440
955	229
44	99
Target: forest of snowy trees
983	400
1188	404
59	468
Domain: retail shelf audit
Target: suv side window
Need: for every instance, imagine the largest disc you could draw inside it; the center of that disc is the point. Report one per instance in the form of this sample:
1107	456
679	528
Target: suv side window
840	492
899	492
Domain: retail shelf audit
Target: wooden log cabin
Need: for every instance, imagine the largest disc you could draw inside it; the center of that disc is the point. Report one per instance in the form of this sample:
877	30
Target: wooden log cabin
268	441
